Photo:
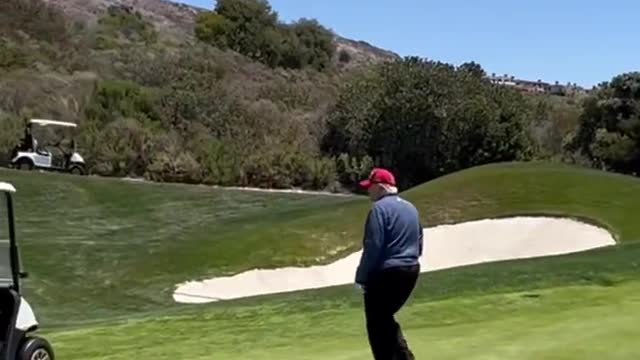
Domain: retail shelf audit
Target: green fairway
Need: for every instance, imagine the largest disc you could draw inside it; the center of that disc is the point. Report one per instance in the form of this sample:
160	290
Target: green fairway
105	255
564	323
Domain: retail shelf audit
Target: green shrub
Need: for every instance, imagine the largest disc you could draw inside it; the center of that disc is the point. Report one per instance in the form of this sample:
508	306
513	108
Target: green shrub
252	28
170	162
115	99
424	119
609	125
282	169
344	56
350	169
11	131
121	26
12	56
220	161
121	148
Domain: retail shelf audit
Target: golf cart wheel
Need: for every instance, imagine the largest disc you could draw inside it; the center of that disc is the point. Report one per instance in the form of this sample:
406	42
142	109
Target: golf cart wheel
36	348
24	164
77	170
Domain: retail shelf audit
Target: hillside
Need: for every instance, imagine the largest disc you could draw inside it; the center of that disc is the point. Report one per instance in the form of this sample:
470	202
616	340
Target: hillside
170	93
118	248
175	21
154	101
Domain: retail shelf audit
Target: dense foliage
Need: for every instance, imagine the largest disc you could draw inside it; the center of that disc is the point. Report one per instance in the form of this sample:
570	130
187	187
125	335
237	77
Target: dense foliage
425	119
609	126
252	101
122	26
252	28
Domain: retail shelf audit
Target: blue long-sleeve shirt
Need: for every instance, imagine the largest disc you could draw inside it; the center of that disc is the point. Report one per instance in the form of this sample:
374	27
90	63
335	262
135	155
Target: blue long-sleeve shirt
392	237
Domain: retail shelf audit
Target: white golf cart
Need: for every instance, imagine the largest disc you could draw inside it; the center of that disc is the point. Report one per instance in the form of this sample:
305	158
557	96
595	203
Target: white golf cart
51	154
17	319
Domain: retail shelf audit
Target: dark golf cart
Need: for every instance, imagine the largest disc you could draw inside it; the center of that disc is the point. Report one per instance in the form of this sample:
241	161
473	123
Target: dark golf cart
17	320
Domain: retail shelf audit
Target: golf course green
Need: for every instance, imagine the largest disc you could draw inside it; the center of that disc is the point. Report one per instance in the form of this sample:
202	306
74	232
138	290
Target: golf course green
104	256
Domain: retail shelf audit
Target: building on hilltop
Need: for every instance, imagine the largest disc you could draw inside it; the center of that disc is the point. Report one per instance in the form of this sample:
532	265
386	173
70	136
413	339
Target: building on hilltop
536	86
520	84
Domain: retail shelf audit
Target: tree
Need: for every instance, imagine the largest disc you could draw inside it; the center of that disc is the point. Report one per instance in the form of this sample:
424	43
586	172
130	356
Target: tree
424	119
554	119
213	29
245	26
609	126
252	28
473	68
316	44
247	12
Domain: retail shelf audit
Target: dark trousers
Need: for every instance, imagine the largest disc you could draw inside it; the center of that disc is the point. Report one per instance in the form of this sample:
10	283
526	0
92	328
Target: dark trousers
384	295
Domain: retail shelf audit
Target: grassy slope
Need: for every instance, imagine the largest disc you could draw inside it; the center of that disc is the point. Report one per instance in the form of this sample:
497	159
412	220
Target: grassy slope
278	322
100	248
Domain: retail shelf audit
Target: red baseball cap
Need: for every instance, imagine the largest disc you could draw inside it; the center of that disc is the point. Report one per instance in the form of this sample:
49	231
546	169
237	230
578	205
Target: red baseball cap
379	176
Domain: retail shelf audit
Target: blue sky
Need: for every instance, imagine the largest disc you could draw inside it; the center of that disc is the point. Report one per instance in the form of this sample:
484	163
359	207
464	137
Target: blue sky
583	41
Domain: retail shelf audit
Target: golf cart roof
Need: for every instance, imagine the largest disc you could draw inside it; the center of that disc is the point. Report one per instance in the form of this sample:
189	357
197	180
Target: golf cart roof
52	122
6	187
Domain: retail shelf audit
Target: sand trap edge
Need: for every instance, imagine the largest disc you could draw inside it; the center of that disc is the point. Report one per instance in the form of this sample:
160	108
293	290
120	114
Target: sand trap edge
446	246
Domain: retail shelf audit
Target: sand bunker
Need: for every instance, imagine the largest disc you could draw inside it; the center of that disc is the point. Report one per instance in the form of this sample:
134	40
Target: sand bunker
445	246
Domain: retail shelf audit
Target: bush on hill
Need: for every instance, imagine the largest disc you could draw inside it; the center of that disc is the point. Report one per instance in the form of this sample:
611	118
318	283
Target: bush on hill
122	26
13	56
35	19
252	28
37	34
554	120
608	134
424	119
11	129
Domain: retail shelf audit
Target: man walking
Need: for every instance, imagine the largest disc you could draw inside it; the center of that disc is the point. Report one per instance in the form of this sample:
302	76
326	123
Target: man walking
389	266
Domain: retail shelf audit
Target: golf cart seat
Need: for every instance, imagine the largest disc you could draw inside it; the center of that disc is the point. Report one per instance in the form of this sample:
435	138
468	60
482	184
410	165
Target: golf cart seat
8	311
43	152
